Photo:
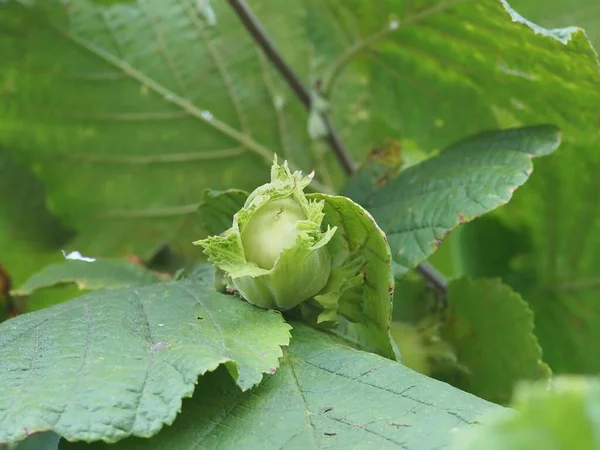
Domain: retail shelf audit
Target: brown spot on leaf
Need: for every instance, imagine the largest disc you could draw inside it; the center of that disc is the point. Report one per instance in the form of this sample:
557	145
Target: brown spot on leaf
330	434
389	154
391	288
461	218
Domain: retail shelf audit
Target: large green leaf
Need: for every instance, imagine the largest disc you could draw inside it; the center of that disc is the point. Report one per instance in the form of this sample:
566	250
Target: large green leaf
325	395
562	417
472	177
557	215
434	71
99	274
491	329
116	363
147	104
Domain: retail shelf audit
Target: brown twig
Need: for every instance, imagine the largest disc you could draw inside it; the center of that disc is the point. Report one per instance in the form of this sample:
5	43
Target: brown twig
253	25
259	34
435	279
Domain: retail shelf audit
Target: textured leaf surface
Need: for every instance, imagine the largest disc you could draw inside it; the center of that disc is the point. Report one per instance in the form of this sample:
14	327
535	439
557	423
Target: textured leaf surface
470	178
434	72
149	105
366	309
152	93
564	416
91	276
116	363
218	207
491	329
325	394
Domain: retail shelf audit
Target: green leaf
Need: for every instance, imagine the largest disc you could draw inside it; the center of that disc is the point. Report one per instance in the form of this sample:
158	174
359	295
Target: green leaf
491	329
562	417
495	258
30	236
559	14
429	73
422	74
44	298
218	207
325	394
479	337
148	104
365	309
116	363
91	276
557	274
472	177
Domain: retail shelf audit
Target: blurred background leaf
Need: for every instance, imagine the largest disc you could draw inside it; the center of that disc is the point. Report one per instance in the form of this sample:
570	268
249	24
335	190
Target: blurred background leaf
129	111
30	236
563	415
479	338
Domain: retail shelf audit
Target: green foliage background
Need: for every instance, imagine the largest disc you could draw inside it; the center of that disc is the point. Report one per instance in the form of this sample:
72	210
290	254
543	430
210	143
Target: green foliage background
115	117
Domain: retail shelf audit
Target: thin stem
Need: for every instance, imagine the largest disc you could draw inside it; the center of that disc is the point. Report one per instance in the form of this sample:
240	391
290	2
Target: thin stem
433	277
260	36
